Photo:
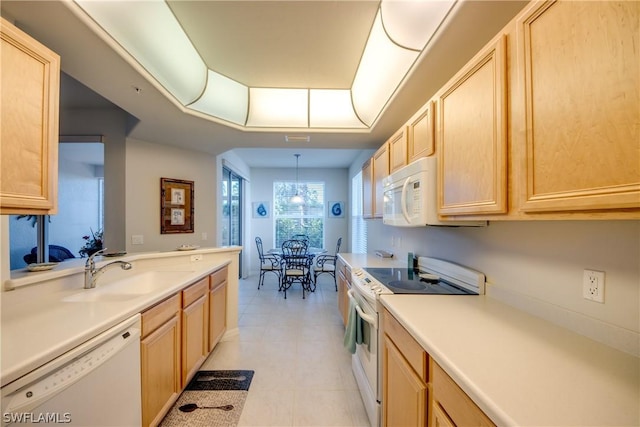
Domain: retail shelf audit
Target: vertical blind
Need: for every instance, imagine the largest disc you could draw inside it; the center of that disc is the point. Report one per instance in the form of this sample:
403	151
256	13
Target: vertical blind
358	224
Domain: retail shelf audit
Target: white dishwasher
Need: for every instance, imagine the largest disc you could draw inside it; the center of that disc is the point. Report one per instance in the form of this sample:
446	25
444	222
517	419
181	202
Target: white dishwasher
94	384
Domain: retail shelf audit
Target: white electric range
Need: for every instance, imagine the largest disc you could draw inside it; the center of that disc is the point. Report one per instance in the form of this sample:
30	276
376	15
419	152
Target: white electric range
431	277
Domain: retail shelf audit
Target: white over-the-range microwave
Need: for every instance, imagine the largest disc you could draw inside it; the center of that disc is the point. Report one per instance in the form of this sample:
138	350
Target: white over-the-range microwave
410	198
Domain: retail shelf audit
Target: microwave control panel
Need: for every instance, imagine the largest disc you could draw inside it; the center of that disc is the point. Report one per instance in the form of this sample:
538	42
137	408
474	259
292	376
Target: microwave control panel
416	197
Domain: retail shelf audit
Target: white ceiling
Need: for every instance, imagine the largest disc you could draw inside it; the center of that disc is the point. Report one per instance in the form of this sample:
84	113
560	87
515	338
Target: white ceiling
267	43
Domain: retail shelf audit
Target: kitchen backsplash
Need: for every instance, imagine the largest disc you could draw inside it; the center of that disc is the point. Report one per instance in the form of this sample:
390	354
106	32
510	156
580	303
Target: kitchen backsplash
538	267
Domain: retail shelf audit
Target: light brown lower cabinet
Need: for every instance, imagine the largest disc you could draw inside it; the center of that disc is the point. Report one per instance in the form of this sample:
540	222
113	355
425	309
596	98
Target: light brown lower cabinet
404	377
217	306
416	391
453	406
195	325
178	335
405	393
439	417
160	359
343	280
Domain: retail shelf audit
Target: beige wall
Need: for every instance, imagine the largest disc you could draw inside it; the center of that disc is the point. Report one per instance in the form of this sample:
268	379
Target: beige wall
261	189
538	266
146	164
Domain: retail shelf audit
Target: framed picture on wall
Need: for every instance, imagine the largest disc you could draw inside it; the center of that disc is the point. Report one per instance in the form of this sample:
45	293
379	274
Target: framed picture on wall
336	209
176	206
261	209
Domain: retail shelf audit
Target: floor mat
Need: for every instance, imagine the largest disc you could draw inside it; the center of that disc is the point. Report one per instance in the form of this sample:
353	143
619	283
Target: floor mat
221	380
212	398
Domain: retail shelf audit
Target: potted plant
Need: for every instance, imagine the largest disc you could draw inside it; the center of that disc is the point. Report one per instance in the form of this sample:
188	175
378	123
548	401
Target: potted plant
92	245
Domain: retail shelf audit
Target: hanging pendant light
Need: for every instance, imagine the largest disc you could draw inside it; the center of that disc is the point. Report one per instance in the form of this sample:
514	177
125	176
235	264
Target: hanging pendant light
297	198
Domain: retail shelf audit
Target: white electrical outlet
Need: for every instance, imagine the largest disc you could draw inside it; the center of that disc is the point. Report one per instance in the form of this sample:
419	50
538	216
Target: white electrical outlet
137	239
593	285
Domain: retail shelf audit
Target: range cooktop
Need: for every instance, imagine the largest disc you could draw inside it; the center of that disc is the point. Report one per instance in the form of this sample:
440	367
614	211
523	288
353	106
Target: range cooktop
409	281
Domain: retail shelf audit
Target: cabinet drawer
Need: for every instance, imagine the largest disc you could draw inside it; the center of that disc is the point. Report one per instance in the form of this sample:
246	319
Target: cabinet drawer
408	346
454	401
159	314
218	277
195	291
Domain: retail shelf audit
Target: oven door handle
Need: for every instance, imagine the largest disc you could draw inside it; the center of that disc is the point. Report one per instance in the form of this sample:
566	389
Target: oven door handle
364	316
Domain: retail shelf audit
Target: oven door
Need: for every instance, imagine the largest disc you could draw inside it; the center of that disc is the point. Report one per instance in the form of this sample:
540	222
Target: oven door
366	358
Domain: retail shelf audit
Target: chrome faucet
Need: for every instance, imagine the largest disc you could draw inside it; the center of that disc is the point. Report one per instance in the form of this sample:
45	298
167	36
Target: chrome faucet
90	272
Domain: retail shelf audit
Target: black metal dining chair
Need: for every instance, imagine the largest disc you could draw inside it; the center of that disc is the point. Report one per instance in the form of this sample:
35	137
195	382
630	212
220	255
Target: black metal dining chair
327	264
56	254
270	263
296	266
303	237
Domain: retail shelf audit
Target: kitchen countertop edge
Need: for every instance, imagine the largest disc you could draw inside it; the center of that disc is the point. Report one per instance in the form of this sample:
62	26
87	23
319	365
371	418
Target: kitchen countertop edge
511	319
108	315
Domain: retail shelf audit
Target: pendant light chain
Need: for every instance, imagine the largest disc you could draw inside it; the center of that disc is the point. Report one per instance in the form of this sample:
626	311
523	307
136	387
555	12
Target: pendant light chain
297	199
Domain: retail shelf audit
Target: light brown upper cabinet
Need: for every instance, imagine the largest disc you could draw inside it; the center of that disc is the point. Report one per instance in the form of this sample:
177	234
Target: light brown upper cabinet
380	172
367	189
420	141
576	107
472	136
398	155
30	81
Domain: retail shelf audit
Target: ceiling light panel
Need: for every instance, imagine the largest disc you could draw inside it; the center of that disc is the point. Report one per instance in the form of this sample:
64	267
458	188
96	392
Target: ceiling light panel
411	24
382	68
278	107
150	33
332	109
224	98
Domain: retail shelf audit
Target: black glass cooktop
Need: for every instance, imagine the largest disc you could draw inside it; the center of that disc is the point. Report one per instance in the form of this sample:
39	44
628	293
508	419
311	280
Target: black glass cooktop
408	281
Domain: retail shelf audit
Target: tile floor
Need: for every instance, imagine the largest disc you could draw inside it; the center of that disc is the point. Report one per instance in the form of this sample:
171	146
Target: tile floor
302	372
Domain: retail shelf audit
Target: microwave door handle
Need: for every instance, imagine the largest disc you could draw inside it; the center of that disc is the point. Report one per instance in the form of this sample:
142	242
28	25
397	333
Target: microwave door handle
403	200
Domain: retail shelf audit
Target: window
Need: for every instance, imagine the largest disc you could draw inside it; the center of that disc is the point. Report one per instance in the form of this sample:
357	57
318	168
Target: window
306	218
358	224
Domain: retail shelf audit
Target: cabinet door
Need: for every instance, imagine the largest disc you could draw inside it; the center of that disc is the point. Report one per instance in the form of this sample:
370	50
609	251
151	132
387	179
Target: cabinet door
578	105
194	337
439	418
30	81
343	304
472	136
404	392
217	313
380	172
343	278
420	133
398	150
457	408
367	189
160	370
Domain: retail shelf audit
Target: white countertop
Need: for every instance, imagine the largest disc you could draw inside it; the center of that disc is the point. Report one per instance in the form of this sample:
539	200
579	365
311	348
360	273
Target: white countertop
519	369
370	260
37	325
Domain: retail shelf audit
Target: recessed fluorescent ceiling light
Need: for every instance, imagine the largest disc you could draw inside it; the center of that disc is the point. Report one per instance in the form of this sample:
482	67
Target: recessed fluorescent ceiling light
149	32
